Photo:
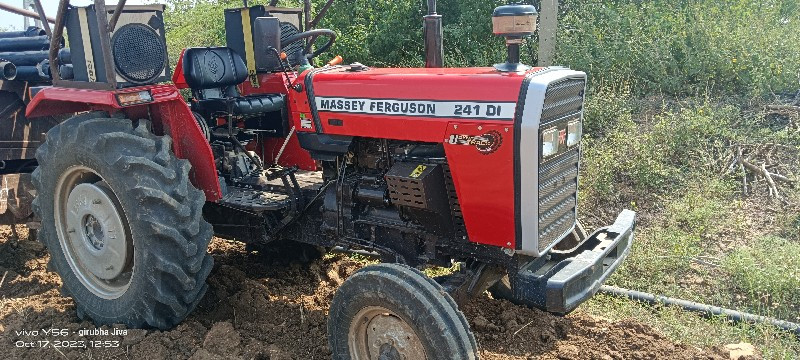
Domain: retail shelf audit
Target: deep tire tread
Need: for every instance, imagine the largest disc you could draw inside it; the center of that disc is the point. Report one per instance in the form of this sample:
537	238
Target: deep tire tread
452	338
171	233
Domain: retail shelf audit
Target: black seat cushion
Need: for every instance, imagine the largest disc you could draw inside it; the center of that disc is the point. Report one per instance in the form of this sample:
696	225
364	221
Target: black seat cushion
213	73
213	67
244	105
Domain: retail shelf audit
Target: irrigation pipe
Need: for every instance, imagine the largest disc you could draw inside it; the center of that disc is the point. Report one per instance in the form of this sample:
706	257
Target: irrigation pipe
706	310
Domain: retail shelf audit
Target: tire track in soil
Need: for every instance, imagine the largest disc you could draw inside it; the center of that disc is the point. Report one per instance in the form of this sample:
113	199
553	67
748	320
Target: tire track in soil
278	311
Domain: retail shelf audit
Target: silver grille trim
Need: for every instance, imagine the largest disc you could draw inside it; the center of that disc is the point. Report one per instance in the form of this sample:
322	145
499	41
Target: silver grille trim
548	191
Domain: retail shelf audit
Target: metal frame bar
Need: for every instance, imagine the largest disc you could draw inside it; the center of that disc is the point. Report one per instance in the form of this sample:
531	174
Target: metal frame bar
307	15
23	12
320	14
101	13
55	40
112	24
45	24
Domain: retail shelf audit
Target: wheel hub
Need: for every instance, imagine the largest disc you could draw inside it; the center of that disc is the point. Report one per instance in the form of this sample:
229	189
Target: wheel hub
93	233
93	230
90	208
379	334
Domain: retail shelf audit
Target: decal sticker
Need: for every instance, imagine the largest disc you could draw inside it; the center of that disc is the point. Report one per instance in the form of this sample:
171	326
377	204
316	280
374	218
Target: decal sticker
428	108
486	143
305	123
417	171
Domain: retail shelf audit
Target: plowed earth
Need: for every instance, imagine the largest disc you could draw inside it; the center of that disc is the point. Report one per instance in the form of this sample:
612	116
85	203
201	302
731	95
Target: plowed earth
277	310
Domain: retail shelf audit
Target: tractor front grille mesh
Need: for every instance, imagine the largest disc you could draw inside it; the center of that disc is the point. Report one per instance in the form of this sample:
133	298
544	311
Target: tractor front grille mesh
558	195
140	54
564	99
558	177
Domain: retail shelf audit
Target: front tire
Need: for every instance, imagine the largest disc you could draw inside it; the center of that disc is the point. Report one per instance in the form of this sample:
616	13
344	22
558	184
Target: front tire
122	222
391	311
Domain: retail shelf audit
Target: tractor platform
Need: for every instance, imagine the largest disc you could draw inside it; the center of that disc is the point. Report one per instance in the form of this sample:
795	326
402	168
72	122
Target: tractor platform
272	195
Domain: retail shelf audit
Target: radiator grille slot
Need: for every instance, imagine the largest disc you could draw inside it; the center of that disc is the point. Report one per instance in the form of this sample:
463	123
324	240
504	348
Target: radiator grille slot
563	99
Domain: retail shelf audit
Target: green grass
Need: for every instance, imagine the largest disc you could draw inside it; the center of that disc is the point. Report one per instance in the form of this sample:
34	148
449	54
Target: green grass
699	237
689	328
767	270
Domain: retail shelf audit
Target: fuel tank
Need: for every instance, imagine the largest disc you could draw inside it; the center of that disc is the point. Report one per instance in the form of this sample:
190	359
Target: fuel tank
489	123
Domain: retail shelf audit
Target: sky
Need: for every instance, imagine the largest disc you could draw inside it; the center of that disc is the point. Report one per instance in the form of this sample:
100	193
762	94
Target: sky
15	22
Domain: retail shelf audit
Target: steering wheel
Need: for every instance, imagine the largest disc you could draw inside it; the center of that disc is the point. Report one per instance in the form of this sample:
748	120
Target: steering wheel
313	35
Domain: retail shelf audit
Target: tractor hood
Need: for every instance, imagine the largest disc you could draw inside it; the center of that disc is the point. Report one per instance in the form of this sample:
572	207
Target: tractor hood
392	96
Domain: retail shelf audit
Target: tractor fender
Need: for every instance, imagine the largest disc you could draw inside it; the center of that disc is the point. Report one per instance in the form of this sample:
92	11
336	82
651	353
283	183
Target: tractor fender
169	113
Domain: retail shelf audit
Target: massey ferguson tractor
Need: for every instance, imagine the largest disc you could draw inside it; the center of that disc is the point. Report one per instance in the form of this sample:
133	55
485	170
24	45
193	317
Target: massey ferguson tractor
419	167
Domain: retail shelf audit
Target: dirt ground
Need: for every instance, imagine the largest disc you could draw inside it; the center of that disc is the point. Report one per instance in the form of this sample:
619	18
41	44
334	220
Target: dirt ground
277	311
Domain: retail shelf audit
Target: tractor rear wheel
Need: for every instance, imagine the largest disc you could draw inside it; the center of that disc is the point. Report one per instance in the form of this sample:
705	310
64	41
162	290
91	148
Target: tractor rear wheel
391	311
122	222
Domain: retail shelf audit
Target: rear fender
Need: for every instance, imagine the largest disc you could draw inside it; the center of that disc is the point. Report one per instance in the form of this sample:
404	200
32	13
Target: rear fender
168	112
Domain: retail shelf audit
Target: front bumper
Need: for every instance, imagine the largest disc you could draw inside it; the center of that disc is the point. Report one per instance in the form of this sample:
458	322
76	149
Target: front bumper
559	282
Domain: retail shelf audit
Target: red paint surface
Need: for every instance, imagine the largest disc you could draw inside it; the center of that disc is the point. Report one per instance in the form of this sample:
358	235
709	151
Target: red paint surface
484	183
170	115
177	76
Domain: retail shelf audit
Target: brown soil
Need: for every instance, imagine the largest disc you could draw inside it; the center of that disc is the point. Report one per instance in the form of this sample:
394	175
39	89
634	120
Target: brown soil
278	311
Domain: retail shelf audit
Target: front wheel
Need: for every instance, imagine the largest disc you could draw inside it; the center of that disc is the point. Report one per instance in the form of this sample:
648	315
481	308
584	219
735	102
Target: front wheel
122	222
390	311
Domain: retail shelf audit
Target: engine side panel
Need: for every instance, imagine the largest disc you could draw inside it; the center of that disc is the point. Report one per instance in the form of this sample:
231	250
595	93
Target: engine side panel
481	160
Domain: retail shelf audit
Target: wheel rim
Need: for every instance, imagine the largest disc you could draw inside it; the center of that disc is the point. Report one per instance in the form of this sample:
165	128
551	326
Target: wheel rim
93	232
379	334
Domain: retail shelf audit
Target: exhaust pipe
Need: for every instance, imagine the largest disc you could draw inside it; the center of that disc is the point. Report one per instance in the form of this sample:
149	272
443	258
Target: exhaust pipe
434	51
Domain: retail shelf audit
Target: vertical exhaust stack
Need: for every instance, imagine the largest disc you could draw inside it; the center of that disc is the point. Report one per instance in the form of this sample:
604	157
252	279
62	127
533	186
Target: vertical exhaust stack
434	52
514	22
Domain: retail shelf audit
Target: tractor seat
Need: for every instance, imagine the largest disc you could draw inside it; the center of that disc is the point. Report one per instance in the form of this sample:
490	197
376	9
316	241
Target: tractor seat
213	73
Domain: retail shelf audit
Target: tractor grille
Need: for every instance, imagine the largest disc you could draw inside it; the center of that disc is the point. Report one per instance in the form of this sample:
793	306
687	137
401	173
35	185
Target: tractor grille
563	99
558	177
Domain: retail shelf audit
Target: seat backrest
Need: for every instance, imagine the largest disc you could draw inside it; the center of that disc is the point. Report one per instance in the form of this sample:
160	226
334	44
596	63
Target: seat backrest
213	68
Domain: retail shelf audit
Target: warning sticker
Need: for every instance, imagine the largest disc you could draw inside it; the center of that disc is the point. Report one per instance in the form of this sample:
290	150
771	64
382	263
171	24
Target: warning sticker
417	171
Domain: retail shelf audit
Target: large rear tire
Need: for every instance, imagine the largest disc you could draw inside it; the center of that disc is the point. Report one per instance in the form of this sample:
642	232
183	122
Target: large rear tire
122	222
391	311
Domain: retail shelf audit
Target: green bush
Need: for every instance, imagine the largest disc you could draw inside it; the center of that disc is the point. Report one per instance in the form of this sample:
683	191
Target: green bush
685	47
652	155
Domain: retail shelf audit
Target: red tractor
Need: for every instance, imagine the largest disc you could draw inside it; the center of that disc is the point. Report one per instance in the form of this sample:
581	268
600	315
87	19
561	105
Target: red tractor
417	166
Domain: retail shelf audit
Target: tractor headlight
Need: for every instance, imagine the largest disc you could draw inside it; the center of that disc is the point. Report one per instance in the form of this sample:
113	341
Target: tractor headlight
574	132
549	142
